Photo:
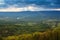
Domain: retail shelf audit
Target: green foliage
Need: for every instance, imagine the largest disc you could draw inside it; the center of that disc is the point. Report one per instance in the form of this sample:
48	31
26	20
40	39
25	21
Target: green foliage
47	35
30	31
16	29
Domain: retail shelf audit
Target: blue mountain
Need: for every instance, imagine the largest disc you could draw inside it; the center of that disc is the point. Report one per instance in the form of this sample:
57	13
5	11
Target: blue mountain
30	16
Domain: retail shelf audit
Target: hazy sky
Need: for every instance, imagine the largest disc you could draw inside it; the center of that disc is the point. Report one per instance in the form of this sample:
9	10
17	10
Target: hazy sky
31	5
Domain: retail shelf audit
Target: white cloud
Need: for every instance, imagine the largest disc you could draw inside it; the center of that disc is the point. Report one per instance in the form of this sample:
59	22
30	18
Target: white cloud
26	8
2	2
16	9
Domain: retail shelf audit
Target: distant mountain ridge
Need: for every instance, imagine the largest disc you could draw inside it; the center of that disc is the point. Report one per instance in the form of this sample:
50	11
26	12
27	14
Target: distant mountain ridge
30	15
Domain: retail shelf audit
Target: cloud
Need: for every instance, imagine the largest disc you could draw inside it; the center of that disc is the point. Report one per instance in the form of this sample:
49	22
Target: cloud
2	2
16	9
27	8
20	3
38	2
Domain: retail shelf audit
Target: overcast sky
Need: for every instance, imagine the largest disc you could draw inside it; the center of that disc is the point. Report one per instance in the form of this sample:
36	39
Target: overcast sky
31	5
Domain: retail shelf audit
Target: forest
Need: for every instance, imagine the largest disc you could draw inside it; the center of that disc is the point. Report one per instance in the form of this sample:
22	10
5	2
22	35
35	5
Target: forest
43	30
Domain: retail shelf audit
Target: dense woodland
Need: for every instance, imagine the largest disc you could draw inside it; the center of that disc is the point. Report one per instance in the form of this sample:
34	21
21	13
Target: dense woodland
43	30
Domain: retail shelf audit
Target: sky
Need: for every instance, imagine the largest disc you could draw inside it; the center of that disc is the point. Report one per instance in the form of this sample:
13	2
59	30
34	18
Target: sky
29	5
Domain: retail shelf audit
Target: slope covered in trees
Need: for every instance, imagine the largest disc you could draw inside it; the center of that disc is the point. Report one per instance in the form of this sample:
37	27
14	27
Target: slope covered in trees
43	30
47	35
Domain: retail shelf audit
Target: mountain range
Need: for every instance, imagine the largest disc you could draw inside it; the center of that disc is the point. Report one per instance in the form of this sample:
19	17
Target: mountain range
30	15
